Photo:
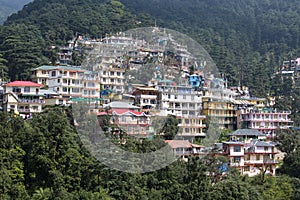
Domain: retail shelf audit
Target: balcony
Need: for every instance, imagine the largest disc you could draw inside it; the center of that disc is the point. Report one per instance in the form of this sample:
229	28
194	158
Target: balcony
260	162
144	96
32	101
192	125
192	134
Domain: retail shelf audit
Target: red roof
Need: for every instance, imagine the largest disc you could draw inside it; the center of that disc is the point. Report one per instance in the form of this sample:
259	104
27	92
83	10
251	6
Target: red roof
23	83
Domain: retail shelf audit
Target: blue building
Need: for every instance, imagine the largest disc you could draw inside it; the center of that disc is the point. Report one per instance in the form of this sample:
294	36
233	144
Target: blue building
196	80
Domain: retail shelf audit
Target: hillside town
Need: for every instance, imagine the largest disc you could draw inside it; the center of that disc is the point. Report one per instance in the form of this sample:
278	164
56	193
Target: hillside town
177	86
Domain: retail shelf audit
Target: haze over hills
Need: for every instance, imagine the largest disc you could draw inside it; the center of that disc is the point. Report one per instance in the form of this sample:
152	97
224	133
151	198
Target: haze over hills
10	6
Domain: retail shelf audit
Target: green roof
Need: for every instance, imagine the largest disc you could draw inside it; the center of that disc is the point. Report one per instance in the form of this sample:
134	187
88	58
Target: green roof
49	67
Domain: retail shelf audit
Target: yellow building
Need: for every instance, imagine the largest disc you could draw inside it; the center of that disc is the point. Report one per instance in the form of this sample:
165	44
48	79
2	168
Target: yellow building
218	105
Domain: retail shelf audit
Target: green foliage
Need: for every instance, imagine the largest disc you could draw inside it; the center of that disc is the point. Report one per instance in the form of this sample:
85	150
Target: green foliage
170	128
22	48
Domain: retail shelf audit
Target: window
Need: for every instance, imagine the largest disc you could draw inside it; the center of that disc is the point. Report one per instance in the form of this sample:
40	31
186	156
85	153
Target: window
91	84
184	96
16	89
104	79
26	89
75	90
65	89
247	157
237	148
35	108
58	80
266	148
112	80
44	72
247	168
104	72
118	73
186	121
257	157
53	73
112	73
236	159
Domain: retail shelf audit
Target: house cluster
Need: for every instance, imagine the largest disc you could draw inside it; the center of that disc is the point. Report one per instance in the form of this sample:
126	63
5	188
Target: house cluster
137	100
290	69
247	150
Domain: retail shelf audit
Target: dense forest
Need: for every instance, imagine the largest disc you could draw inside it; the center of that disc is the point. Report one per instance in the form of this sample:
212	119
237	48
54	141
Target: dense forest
43	158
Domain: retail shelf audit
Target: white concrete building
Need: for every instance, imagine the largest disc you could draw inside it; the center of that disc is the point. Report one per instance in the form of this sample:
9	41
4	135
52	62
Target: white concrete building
23	97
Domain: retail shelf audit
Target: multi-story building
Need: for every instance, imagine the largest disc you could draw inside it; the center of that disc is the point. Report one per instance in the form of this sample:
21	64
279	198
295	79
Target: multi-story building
23	97
266	120
127	118
74	82
259	156
40	74
218	105
252	157
185	103
65	54
113	78
146	97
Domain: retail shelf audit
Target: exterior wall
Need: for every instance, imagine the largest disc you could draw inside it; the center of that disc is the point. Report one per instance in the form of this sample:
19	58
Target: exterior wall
72	83
184	103
260	159
192	126
251	159
223	112
132	124
40	76
22	99
113	78
266	122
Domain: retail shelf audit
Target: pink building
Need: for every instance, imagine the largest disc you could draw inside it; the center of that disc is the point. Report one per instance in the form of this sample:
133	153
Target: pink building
126	118
266	121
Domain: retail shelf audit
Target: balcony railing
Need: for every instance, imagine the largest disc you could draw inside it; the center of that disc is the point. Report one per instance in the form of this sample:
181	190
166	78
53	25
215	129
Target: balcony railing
261	162
38	101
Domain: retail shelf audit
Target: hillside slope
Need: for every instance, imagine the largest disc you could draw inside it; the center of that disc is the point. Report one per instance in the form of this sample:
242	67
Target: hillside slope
248	39
10	6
